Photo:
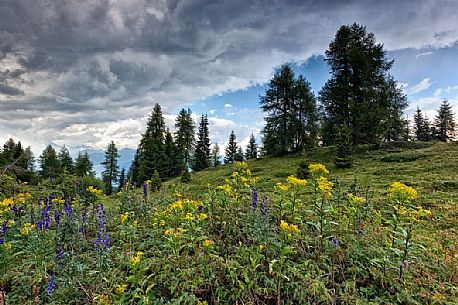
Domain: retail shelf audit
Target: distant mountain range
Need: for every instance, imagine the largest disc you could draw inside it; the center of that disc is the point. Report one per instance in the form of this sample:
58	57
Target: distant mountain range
97	156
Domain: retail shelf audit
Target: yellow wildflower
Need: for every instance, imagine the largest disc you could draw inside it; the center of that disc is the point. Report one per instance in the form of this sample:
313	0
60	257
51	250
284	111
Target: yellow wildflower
208	243
134	260
178	205
94	191
7	202
174	232
226	188
296	181
203	216
189	217
282	186
121	288
289	228
124	217
400	191
26	229
356	199
318	168
325	186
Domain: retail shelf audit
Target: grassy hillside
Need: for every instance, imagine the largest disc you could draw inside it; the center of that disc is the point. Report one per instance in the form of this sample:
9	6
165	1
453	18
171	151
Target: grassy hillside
216	241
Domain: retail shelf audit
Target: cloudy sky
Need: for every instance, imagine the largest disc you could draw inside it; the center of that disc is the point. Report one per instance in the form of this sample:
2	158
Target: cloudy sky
84	72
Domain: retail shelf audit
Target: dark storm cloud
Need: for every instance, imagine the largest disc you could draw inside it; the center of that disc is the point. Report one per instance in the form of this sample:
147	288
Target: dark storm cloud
93	61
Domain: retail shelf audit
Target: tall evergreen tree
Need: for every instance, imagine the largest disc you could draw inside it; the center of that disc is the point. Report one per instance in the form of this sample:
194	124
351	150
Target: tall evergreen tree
421	126
184	135
291	121
215	157
66	160
49	163
132	173
17	161
359	93
173	160
444	122
152	153
202	152
83	165
110	174
122	179
251	151
231	149
394	126
239	155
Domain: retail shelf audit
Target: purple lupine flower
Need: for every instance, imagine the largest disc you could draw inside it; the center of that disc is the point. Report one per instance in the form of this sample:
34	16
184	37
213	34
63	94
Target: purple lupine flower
4	227
200	207
68	208
145	190
16	211
40	225
60	254
103	238
52	283
123	183
264	206
335	241
57	217
46	219
83	221
255	199
1	241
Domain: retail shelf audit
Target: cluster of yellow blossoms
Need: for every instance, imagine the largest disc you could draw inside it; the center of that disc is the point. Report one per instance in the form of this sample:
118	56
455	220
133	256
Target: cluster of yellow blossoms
325	186
318	168
174	232
124	217
27	228
94	191
135	260
400	191
289	228
356	200
208	243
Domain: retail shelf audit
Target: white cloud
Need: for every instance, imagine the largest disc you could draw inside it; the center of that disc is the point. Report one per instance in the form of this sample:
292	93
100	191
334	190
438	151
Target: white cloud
421	86
423	54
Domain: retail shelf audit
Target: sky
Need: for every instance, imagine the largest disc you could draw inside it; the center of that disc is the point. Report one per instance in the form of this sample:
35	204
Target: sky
85	72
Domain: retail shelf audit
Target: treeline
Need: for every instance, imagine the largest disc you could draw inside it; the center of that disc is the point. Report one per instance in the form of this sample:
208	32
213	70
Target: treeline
166	155
361	103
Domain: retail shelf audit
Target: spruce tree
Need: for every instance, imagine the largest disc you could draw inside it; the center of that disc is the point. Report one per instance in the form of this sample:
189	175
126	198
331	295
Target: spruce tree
251	151
421	126
393	126
215	157
122	179
110	174
173	160
184	135
49	163
185	175
444	122
66	160
231	149
132	173
202	152
152	151
239	155
83	165
359	93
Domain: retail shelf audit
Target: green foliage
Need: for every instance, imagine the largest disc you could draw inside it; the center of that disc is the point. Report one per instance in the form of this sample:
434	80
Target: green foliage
215	157
49	163
251	151
83	165
110	174
421	126
403	157
156	182
202	153
291	121
344	147
185	175
231	149
184	135
302	171
360	92
444	122
66	160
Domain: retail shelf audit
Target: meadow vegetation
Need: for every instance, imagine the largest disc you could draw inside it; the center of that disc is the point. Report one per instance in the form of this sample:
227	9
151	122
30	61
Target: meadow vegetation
382	232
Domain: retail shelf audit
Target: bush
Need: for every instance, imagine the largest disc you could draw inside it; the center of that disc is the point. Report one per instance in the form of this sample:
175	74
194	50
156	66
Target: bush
302	171
185	175
402	157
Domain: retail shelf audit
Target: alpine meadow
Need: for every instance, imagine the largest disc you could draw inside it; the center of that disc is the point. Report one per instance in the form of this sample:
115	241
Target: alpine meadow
228	152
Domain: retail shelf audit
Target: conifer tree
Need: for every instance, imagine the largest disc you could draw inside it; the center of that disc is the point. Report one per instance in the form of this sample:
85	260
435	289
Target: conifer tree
83	165
49	163
231	149
239	155
343	158
202	152
291	121
132	173
215	157
17	161
66	160
444	122
184	135
251	149
359	93
394	126
110	174
122	179
421	126
185	175
152	153
173	160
